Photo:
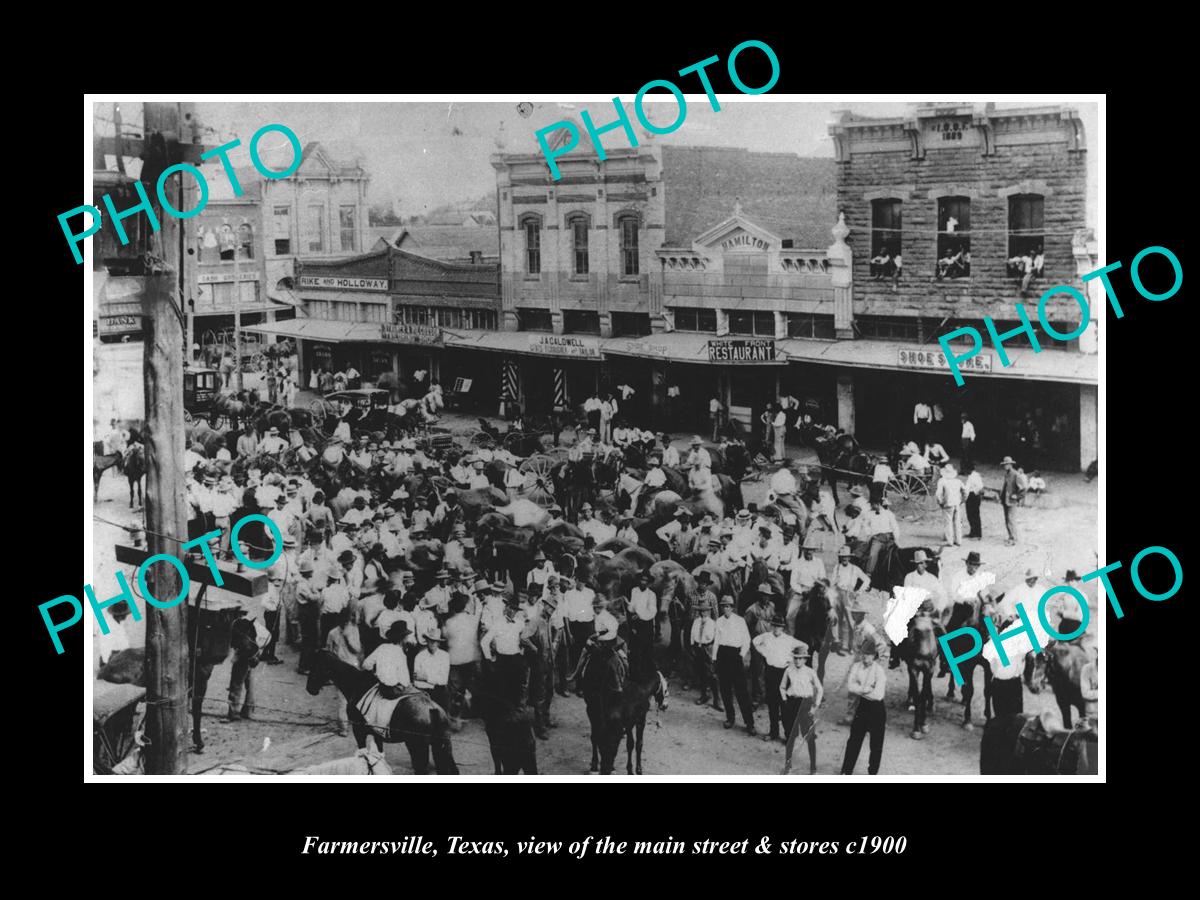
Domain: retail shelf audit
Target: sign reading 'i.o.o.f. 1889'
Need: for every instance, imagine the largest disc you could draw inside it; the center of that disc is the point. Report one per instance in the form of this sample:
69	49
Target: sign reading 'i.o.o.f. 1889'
760	350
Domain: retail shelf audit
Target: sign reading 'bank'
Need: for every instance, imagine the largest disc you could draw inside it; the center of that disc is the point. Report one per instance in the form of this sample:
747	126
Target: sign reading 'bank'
742	351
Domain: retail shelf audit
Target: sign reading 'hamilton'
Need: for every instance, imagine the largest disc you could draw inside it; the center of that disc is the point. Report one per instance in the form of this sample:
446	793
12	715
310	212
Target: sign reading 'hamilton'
344	284
750	350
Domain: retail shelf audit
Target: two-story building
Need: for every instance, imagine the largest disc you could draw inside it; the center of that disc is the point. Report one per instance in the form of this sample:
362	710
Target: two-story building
252	243
955	213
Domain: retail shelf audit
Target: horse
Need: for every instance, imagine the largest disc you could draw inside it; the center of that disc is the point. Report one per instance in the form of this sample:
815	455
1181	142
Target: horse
1061	663
101	463
969	614
574	485
814	616
841	454
416	721
761	574
509	731
603	679
628	717
1020	744
135	471
919	651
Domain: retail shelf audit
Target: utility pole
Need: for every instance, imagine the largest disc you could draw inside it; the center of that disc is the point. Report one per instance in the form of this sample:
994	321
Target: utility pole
166	515
237	310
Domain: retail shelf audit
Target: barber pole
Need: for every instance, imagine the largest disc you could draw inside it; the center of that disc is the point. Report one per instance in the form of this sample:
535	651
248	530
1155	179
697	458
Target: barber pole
510	381
560	388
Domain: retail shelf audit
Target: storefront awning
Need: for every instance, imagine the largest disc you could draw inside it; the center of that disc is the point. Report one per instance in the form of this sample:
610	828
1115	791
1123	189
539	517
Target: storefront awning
1049	365
320	330
694	348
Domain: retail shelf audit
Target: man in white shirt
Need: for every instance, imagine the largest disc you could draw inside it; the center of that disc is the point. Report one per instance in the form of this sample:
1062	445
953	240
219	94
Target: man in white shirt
949	494
882	472
775	648
478	479
390	662
783	482
501	646
921	577
922	419
431	669
714	415
700	480
779	426
968	441
807	570
272	444
643	608
704	629
579	617
973	491
731	652
698	456
655	478
1028	594
669	534
670	456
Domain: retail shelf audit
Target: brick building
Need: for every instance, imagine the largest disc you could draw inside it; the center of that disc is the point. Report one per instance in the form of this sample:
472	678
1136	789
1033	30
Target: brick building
985	208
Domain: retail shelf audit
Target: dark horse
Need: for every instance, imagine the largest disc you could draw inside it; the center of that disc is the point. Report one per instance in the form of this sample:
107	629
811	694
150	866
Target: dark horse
509	732
920	652
416	721
1019	744
841	460
969	614
603	678
101	463
135	471
814	616
627	716
1062	665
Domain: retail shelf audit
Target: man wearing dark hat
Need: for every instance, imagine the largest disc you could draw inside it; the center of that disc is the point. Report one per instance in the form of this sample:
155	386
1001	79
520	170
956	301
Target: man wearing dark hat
731	648
758	623
389	662
701	637
802	694
1012	493
774	648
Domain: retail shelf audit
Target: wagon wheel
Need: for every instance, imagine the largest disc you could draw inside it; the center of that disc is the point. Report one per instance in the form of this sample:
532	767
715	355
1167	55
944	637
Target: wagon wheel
187	417
217	422
317	408
540	465
557	454
513	441
482	439
259	361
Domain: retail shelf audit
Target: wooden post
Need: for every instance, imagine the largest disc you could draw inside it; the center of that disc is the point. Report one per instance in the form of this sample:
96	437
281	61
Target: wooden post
166	514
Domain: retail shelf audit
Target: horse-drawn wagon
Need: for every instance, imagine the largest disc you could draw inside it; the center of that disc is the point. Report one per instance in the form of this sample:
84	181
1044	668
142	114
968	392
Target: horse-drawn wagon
200	388
371	405
116	728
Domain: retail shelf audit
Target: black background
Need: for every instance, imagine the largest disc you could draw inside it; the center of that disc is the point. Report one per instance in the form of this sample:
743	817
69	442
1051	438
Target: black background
950	826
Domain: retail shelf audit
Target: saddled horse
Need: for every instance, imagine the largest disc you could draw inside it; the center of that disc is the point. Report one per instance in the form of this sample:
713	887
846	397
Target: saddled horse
761	573
969	614
920	652
813	617
1021	744
509	731
628	717
1061	664
416	721
101	463
135	470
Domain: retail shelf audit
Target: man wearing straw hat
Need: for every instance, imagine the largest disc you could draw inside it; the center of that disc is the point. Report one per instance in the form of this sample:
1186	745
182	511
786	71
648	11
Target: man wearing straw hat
802	694
1011	495
949	494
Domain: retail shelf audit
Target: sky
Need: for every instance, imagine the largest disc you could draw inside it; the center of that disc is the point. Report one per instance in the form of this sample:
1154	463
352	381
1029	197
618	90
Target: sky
424	155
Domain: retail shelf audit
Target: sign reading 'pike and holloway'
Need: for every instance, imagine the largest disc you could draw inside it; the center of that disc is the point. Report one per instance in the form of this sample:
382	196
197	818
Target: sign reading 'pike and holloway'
344	284
750	350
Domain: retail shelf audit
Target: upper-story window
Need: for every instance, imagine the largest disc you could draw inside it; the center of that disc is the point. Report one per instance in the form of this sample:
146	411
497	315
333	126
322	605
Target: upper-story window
347	230
226	242
316	229
577	224
695	319
1026	259
283	230
760	324
245	241
954	238
885	239
532	226
629	244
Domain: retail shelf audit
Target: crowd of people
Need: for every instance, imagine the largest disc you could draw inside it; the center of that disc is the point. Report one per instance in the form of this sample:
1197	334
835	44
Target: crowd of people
381	566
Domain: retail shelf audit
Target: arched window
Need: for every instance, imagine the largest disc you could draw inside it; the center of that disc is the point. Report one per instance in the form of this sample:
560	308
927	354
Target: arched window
627	225
532	226
578	225
885	238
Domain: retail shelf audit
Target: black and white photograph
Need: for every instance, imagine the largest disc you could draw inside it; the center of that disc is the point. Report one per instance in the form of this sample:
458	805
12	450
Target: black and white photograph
496	435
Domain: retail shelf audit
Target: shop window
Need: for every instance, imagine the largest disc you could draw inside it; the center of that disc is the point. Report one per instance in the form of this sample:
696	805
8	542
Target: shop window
810	325
415	315
629	244
578	321
347	230
888	328
755	324
479	319
245	241
534	320
577	224
532	226
317	309
631	324
374	312
448	318
954	238
885	238
316	229
1025	237
692	319
283	230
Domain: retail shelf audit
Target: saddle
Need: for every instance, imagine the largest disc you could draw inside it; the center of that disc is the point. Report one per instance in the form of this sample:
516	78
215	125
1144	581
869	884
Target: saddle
377	710
1043	745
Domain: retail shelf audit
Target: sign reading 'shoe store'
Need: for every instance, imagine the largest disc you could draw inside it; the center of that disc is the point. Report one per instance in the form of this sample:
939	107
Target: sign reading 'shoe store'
401	333
560	345
343	284
932	359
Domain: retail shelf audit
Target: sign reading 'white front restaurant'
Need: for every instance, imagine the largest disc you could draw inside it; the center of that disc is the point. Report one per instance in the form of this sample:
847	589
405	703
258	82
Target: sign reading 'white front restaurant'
343	284
760	350
932	359
560	345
